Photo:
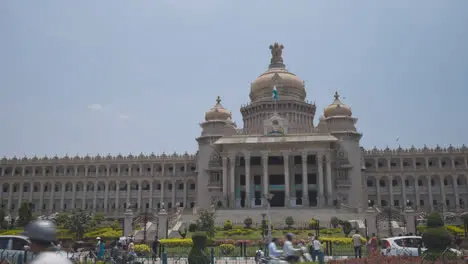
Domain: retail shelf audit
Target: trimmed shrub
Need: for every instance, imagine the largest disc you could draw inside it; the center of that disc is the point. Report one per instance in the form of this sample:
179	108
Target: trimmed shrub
289	221
436	239
227	249
248	222
142	249
197	254
227	225
313	224
335	222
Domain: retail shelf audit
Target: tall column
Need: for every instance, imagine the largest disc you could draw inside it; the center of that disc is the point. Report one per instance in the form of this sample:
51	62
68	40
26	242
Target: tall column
225	178
185	194
287	188
106	194
429	188
403	190
442	191
265	181
151	192
390	189
139	195
173	195
83	200
117	190
20	197
320	179
95	197
128	194
379	196
41	199
248	201
162	193
232	175
305	184
51	197
62	198
73	195
455	190
416	192
329	179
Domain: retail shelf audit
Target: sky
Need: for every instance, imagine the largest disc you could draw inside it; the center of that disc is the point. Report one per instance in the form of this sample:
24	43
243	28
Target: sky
118	76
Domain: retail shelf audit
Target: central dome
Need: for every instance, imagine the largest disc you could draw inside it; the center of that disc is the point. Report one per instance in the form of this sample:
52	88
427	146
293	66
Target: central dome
288	85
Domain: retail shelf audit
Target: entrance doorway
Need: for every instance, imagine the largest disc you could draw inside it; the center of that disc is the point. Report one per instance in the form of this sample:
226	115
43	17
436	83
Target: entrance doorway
298	197
278	199
313	198
242	198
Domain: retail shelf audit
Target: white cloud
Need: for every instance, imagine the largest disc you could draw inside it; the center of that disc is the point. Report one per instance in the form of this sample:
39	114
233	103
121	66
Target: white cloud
122	116
95	107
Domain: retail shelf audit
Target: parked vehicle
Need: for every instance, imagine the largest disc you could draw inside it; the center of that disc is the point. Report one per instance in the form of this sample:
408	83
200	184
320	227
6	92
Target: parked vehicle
406	246
15	249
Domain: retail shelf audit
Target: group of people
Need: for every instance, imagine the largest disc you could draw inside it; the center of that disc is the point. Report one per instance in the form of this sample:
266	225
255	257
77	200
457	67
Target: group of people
292	254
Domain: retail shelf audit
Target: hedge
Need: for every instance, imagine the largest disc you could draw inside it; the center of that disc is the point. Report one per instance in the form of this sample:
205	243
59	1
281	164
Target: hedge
187	242
105	233
62	233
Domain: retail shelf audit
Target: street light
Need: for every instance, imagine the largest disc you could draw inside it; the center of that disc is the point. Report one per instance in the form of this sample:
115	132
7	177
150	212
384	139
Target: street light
268	197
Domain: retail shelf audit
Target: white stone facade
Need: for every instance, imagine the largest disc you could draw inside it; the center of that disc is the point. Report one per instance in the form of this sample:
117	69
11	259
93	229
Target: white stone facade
278	151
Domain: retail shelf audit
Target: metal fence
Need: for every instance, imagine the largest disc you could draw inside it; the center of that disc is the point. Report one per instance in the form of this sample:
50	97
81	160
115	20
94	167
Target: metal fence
242	254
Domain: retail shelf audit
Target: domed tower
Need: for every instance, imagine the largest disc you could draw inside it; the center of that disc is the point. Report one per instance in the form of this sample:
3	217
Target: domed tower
338	120
218	123
290	103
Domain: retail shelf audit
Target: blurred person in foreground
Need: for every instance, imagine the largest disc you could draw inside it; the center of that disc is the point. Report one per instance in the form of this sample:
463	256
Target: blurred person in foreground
42	234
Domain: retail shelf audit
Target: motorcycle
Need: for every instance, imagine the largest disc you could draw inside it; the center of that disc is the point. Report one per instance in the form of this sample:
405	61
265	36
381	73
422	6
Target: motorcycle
261	259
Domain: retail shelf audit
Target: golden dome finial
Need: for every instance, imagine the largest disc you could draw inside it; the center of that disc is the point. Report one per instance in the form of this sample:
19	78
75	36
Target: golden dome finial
337	96
218	100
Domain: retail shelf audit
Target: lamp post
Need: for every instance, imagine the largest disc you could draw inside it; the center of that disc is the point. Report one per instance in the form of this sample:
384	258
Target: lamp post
268	197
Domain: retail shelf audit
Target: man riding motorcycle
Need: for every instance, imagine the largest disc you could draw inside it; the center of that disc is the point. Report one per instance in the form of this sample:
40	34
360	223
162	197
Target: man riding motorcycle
273	250
43	234
289	251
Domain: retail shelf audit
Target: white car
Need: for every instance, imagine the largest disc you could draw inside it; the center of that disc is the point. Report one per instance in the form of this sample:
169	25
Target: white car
405	246
15	249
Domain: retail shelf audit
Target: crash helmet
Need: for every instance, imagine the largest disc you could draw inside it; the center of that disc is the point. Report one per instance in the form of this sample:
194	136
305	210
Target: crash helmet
41	230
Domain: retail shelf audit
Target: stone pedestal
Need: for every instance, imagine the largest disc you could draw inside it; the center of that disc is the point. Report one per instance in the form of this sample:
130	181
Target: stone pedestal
410	217
162	218
128	223
305	200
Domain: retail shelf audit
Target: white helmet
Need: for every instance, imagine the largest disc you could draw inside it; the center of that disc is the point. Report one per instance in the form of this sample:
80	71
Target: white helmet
41	230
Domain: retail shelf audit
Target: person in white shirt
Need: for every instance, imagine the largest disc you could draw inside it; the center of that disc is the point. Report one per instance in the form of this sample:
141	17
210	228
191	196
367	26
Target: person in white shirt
273	250
43	234
357	243
289	251
316	249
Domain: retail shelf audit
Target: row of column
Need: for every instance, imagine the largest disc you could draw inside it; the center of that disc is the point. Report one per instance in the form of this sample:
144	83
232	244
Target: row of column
417	194
286	155
106	193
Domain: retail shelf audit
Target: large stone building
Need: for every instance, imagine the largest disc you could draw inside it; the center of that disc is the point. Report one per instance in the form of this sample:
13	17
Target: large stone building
279	151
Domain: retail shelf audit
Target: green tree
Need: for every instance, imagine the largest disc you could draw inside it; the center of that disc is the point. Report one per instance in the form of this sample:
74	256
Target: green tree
78	223
24	214
206	222
436	238
61	219
98	218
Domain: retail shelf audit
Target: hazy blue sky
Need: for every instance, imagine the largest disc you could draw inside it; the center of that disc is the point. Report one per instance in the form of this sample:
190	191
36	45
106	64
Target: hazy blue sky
137	76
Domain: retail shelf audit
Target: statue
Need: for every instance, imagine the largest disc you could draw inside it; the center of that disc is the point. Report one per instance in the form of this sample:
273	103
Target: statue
276	53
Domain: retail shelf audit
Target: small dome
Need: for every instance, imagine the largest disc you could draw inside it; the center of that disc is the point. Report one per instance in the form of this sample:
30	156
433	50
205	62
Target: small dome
218	112
337	108
288	84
